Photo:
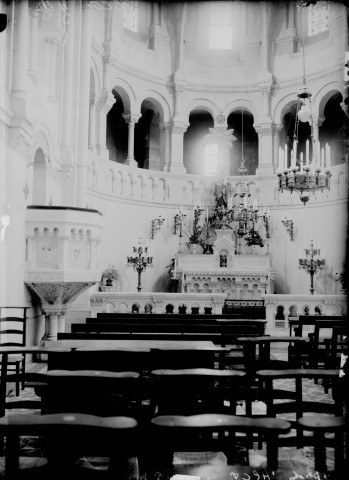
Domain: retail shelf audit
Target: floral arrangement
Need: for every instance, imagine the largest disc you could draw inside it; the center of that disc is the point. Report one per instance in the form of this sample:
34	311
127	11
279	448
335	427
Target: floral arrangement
194	237
253	238
110	275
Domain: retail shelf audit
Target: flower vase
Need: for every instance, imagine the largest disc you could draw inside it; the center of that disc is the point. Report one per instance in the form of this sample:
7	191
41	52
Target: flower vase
193	247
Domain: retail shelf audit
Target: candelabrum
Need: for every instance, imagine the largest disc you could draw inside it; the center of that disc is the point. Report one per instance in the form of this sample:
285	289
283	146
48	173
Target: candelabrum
304	181
311	262
156	225
178	224
288	222
140	259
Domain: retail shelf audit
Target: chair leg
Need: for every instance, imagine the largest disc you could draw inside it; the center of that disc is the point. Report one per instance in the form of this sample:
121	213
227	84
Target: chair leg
17	381
320	452
272	452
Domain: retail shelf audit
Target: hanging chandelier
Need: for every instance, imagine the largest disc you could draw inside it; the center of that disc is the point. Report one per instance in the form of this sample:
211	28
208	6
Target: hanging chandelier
307	173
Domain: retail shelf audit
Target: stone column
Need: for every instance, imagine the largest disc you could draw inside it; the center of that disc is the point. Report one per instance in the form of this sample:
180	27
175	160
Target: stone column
176	165
165	140
131	120
67	100
265	149
276	144
52	42
84	93
52	313
92	123
104	104
20	56
33	58
61	322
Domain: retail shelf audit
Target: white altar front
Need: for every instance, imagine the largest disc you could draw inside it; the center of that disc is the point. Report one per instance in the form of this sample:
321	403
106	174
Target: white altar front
239	277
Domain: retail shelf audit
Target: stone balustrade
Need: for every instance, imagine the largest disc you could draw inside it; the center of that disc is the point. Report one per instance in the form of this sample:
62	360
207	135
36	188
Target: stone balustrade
280	307
136	184
123	302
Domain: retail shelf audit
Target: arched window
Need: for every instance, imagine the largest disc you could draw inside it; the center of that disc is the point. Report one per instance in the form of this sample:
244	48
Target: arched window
211	159
220	28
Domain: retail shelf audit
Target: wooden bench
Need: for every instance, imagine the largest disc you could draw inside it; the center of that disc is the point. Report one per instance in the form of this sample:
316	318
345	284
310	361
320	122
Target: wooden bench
112	316
221	332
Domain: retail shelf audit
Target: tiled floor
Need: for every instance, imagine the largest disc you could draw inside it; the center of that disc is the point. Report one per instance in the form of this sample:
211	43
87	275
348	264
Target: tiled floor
293	463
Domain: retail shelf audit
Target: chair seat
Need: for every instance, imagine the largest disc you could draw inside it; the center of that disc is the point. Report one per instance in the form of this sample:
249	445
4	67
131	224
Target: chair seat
317	422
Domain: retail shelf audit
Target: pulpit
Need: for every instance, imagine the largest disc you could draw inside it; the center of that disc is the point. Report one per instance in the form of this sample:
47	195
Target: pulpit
239	277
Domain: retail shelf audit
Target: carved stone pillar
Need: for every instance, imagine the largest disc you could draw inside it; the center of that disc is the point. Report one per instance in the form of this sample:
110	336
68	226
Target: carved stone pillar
67	100
265	149
84	92
51	41
276	144
176	165
53	314
165	141
131	120
92	124
21	53
104	104
33	58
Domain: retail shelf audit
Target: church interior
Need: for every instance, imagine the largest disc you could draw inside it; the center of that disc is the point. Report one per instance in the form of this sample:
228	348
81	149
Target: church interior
173	239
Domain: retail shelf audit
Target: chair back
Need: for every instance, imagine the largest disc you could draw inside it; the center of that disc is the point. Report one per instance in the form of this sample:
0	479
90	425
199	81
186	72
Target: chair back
66	438
92	392
12	332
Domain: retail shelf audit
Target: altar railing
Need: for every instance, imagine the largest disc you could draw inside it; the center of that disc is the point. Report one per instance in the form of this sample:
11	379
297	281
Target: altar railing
281	307
159	302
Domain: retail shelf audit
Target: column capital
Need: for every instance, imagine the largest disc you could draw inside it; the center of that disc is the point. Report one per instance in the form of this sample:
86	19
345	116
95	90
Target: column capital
264	129
131	118
165	126
277	127
36	8
179	128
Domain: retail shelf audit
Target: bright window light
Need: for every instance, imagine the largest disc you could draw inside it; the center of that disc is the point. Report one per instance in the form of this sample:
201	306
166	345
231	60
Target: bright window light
318	18
130	15
211	159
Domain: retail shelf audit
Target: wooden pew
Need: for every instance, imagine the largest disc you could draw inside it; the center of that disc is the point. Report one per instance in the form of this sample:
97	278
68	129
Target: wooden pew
220	332
189	316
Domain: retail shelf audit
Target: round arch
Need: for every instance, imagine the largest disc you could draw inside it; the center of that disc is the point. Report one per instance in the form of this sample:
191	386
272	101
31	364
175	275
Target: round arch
201	104
127	95
159	101
283	106
238	105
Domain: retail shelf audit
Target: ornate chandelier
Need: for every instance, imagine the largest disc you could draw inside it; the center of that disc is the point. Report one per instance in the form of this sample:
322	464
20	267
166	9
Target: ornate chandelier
304	175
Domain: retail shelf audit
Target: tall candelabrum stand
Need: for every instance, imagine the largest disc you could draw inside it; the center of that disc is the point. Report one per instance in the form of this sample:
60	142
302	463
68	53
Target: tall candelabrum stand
311	263
140	260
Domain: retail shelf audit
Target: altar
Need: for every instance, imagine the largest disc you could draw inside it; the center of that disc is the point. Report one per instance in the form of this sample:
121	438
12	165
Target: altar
239	277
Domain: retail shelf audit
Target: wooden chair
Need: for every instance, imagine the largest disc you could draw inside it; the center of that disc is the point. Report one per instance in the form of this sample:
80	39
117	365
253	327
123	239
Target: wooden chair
13	334
214	432
321	425
203	390
65	438
93	392
296	403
